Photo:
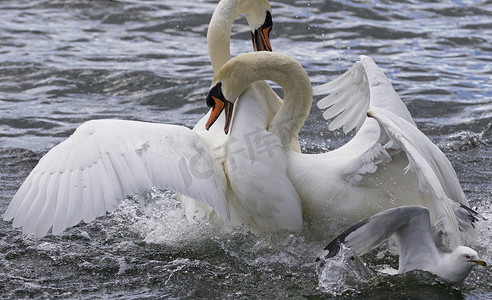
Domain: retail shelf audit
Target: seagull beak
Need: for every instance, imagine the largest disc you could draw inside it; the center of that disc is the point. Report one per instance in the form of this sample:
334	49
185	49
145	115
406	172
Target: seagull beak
480	262
261	36
217	108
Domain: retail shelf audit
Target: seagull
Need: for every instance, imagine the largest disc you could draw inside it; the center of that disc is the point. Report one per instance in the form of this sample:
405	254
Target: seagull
420	247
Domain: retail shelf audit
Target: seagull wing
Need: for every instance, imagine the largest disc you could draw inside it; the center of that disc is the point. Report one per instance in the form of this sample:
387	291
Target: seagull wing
411	224
88	174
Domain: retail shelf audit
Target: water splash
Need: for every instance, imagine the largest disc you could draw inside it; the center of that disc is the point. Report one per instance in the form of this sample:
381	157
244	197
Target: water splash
343	273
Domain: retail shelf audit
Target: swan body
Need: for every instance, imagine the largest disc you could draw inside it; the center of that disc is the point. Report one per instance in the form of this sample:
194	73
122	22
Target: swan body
388	163
252	199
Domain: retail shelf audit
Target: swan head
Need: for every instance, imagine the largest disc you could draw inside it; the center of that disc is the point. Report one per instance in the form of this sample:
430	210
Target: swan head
261	35
237	74
218	103
259	16
460	263
229	83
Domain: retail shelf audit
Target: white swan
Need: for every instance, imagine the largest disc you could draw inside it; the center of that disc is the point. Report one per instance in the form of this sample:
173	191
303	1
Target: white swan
103	161
388	163
251	199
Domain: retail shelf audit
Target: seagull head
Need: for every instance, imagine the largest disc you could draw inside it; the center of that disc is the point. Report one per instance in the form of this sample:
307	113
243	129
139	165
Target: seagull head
460	263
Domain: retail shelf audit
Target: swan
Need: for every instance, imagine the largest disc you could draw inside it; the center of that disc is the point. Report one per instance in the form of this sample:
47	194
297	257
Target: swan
258	15
103	161
388	163
251	200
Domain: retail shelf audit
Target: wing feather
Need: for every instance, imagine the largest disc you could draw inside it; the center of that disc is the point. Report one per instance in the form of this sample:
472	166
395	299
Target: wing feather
97	192
16	202
45	218
349	98
341	93
62	203
74	213
21	213
363	86
364	91
435	173
38	203
104	161
114	190
410	223
88	212
401	131
349	118
355	118
337	107
344	80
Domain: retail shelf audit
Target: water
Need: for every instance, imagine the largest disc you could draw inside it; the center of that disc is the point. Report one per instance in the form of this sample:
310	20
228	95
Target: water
66	62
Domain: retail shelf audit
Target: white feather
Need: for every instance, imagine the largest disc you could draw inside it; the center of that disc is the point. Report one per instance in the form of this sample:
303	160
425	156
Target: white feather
104	161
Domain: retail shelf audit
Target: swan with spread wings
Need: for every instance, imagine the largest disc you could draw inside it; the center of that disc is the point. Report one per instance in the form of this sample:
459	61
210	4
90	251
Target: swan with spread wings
104	161
269	187
388	163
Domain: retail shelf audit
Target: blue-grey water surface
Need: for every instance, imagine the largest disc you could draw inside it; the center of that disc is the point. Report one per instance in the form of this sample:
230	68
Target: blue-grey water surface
66	62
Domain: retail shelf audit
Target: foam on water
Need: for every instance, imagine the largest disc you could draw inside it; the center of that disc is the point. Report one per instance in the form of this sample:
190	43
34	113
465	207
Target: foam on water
343	273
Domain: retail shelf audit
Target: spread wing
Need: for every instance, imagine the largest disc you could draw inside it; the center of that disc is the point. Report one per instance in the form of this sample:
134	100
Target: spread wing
363	86
364	93
410	223
88	174
435	173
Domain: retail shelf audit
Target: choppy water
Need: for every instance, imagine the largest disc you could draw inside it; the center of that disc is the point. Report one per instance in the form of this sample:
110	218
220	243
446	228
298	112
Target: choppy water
66	62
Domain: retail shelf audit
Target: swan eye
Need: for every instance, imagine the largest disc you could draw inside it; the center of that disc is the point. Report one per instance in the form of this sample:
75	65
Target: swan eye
216	92
468	257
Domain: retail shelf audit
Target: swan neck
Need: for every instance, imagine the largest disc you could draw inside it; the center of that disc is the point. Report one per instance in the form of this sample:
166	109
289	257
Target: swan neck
283	70
295	109
219	32
293	113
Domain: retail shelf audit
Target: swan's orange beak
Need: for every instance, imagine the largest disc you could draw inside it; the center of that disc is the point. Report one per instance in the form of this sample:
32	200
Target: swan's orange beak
217	107
218	103
261	36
